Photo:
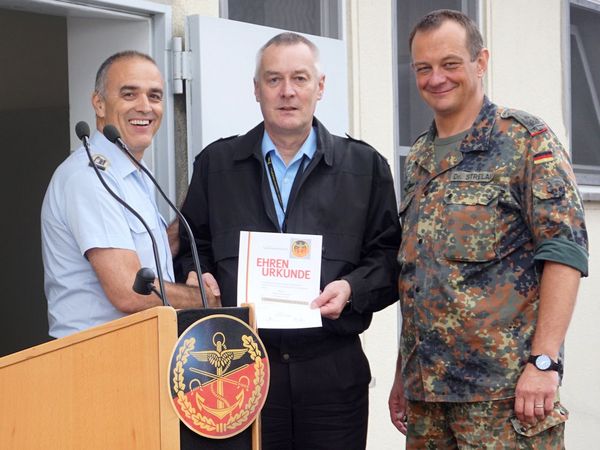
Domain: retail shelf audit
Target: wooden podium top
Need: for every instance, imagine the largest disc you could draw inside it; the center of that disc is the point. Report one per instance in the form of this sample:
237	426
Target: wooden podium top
102	388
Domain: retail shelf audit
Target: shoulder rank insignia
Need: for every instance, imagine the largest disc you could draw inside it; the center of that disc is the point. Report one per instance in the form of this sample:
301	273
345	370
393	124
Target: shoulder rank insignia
424	133
357	140
228	138
100	161
218	376
533	124
543	157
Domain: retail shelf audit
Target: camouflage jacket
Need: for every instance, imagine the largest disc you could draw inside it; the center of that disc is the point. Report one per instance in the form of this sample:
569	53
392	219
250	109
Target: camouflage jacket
475	229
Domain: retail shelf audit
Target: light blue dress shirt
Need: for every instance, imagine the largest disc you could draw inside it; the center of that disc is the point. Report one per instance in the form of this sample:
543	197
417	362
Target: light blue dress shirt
79	214
285	175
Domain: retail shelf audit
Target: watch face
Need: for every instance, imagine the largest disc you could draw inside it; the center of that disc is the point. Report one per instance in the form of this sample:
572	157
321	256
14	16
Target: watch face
543	362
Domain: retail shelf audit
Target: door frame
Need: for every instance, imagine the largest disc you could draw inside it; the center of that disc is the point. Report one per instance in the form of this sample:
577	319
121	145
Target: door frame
162	157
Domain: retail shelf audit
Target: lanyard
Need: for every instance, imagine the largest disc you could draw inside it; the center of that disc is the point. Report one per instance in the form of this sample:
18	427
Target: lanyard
276	184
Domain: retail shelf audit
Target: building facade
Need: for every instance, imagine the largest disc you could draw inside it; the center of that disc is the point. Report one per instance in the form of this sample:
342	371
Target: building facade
544	59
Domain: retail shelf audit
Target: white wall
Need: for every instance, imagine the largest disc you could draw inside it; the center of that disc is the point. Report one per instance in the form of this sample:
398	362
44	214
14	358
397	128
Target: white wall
581	390
369	40
526	63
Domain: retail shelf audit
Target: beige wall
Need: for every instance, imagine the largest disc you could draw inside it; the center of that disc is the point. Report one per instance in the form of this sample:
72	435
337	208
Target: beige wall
526	61
369	37
581	391
183	8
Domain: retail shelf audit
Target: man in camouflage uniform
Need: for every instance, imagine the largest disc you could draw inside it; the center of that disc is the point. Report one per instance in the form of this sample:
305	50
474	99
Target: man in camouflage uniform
494	244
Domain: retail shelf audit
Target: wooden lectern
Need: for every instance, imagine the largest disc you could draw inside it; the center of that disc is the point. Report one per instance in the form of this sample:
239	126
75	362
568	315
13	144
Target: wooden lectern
103	388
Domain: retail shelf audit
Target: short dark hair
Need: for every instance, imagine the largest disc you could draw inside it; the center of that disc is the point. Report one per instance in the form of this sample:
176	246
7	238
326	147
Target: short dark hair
435	19
100	85
288	38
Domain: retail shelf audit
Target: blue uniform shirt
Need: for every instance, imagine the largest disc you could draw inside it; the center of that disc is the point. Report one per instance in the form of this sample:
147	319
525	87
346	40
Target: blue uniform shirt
79	214
286	174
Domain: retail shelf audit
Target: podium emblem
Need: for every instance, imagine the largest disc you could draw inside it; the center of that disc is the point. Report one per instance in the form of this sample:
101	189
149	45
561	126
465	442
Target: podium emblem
218	376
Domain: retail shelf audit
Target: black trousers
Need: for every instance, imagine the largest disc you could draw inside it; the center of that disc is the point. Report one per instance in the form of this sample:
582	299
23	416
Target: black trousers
318	403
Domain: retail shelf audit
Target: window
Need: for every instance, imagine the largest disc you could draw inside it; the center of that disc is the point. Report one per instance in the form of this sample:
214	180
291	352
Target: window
585	87
317	17
413	115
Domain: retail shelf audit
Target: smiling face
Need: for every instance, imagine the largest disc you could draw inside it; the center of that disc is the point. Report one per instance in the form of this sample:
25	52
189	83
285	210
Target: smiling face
132	101
449	82
288	87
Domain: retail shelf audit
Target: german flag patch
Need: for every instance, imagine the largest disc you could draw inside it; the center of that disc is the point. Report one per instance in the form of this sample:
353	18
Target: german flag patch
543	157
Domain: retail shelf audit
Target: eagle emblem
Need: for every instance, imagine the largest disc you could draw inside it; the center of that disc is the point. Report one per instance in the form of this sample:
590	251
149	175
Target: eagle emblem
219	376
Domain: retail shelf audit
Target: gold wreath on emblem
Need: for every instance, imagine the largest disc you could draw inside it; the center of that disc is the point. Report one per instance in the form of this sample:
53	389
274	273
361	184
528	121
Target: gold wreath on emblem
221	359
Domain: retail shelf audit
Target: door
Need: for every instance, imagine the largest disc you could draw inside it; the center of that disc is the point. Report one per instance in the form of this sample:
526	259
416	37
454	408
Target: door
49	53
34	130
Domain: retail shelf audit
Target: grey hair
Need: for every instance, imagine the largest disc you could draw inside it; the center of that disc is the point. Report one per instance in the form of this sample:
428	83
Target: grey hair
288	38
101	75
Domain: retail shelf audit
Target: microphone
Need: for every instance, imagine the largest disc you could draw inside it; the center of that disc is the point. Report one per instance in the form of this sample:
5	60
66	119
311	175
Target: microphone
144	282
82	130
112	134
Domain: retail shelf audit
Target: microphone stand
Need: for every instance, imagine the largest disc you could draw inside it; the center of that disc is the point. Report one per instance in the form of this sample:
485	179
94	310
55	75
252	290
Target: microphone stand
85	139
112	134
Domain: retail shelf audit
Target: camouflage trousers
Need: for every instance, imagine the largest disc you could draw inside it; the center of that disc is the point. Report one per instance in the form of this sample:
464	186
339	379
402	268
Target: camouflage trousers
480	425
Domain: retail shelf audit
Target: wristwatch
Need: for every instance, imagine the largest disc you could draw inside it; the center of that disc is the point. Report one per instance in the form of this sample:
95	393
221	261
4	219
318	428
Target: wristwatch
544	363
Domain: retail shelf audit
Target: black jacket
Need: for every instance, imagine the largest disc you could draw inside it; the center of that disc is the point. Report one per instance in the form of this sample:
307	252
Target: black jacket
346	194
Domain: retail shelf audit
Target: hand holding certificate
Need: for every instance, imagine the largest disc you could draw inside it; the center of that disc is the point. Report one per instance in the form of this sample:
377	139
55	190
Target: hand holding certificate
280	273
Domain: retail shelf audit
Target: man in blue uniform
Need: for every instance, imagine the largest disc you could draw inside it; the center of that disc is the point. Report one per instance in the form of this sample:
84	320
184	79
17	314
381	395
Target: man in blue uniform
92	247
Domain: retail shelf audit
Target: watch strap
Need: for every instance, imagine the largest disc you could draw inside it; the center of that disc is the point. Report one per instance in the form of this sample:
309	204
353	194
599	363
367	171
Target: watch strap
554	365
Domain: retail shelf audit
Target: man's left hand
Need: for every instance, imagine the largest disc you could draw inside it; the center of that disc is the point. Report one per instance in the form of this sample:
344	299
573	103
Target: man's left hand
211	287
333	299
535	394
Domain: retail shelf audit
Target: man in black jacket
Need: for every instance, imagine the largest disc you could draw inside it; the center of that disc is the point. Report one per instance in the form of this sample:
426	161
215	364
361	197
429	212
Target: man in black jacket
289	174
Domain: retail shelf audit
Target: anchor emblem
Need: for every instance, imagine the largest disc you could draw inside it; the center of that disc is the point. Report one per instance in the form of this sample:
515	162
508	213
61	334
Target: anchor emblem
220	359
218	391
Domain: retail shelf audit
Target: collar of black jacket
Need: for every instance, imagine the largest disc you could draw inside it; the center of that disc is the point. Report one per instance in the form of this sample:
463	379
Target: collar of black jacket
250	143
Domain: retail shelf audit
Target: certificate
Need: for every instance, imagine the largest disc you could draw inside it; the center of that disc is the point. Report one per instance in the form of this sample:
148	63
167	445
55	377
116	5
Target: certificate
280	274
